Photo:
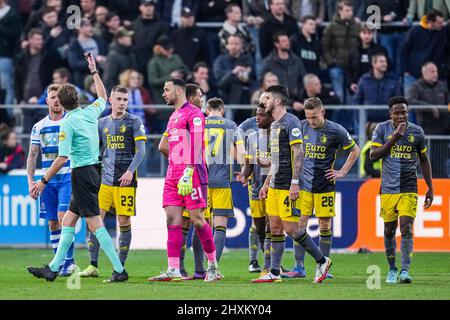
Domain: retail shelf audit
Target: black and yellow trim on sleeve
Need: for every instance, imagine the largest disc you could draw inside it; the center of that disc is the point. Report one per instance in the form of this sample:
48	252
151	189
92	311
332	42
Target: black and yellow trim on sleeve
351	145
296	141
140	138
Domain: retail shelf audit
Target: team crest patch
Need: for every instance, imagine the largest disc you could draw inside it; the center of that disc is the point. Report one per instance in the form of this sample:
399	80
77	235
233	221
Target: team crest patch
411	138
122	128
306	137
323	139
296	132
389	137
62	136
105	130
197	121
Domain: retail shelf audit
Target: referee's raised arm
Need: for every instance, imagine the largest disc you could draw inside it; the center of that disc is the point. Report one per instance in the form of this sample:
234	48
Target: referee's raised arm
99	87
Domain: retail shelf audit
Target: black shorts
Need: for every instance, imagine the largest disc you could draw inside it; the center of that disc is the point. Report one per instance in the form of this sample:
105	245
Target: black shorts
85	187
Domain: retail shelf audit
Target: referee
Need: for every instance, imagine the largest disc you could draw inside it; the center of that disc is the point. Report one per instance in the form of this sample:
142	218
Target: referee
78	139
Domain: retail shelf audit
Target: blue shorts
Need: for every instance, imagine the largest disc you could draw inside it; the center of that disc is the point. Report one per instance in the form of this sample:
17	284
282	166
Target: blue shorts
55	198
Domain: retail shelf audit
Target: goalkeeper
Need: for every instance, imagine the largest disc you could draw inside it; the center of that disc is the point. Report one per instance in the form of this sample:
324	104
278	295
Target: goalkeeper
186	181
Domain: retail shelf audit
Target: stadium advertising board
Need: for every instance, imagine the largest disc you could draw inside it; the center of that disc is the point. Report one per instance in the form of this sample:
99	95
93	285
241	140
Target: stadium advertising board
19	215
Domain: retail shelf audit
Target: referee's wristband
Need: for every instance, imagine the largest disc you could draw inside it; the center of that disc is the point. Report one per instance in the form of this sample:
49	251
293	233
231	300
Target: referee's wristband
94	72
295	181
43	180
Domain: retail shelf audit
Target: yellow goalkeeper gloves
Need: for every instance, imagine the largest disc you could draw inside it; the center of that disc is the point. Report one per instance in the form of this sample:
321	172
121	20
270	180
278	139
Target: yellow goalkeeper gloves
185	183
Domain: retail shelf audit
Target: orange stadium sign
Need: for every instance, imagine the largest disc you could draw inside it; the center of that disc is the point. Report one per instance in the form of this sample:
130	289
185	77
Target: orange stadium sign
431	227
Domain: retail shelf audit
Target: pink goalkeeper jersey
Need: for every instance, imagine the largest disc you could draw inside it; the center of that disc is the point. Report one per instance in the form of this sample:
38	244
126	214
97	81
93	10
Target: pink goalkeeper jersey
185	132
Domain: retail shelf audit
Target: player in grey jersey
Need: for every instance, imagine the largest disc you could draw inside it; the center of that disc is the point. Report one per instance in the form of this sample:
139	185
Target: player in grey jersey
122	140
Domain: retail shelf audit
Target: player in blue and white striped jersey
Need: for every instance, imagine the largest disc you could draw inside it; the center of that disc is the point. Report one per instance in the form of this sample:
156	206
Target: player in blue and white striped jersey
55	199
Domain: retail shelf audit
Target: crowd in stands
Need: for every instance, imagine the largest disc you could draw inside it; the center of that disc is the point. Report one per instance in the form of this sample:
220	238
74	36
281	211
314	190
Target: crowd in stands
316	48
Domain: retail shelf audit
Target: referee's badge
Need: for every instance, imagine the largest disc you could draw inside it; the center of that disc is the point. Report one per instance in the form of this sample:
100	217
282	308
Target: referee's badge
62	136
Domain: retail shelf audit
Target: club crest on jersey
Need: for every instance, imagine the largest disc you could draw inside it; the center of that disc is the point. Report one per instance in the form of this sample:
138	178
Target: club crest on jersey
122	128
105	130
306	137
197	121
323	139
62	136
296	132
411	138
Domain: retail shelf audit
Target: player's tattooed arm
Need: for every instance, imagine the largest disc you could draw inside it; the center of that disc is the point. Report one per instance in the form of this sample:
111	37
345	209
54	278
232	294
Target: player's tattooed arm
297	158
425	165
31	164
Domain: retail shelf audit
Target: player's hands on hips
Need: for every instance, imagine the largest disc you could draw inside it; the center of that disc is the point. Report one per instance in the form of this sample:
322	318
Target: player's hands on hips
91	61
332	175
185	182
263	162
37	189
293	192
263	192
240	178
126	178
428	199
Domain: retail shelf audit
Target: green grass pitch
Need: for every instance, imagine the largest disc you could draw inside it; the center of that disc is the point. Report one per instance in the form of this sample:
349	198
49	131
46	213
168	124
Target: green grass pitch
430	271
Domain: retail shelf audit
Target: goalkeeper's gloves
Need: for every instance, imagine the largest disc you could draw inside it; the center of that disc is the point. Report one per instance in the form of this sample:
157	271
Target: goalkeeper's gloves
185	183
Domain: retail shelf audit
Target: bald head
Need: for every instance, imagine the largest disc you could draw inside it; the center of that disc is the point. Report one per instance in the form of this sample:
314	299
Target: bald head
430	72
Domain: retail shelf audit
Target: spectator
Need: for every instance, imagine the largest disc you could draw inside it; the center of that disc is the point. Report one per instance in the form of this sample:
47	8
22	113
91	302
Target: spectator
128	10
10	29
201	77
35	17
278	21
269	79
190	41
359	7
376	88
120	57
112	24
430	91
425	42
286	66
100	20
164	65
234	74
392	37
147	28
314	88
138	96
418	8
368	168
232	26
172	10
61	76
338	40
88	9
33	73
306	45
255	13
89	86
213	11
359	60
56	36
85	42
300	9
12	155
